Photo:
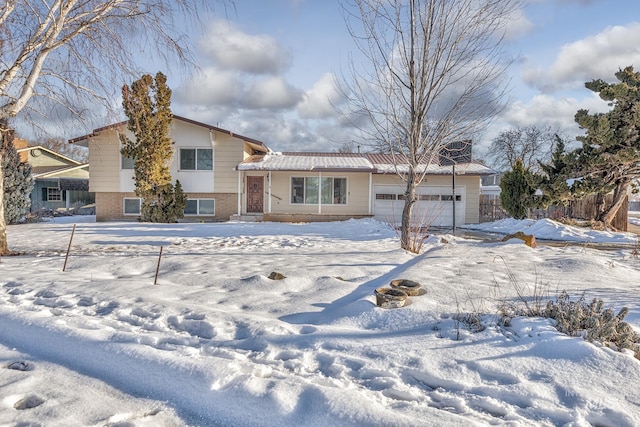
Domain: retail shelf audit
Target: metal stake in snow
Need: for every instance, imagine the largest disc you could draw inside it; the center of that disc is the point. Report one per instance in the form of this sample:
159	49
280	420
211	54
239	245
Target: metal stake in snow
66	258
155	281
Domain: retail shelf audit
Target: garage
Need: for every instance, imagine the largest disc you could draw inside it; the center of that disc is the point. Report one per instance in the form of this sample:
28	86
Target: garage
433	208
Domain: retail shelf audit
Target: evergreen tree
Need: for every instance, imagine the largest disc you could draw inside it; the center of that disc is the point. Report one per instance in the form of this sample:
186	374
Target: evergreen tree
553	176
609	158
518	188
18	182
147	105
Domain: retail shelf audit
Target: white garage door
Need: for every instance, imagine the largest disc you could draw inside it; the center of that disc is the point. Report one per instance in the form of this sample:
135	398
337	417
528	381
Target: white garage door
434	205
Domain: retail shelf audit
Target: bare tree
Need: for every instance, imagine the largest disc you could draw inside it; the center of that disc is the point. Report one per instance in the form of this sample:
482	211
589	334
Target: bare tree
77	53
435	77
529	144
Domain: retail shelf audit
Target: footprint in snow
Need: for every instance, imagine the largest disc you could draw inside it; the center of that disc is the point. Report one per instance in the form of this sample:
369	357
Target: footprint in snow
105	308
15	288
193	324
19	366
86	302
28	402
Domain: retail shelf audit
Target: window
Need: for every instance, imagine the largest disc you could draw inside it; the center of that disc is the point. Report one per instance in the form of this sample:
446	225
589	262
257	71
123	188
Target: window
332	191
127	162
54	194
196	159
200	207
430	197
132	206
449	198
385	196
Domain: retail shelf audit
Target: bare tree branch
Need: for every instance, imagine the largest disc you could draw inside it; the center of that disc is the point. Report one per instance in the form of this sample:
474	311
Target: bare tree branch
435	76
74	53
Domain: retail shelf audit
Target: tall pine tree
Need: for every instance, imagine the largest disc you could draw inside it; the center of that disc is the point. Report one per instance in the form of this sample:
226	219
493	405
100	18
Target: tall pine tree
553	177
517	191
609	159
18	182
147	104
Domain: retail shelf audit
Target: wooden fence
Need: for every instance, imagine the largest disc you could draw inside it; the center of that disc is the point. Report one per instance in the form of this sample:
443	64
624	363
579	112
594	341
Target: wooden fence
491	210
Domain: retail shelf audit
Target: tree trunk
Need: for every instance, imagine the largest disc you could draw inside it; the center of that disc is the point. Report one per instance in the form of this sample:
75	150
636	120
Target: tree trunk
601	205
407	212
619	195
4	246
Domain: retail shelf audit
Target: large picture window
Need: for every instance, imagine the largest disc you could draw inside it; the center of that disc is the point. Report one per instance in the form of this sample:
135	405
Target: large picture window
331	191
200	207
196	159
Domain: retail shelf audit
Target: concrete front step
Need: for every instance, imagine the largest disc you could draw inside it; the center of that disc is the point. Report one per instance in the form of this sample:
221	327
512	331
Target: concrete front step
247	217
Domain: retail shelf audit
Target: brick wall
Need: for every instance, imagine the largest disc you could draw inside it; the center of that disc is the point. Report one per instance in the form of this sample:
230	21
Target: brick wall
109	206
226	204
278	217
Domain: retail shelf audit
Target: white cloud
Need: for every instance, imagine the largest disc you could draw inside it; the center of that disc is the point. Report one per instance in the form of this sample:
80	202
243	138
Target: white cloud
545	111
518	25
272	92
595	57
229	48
321	100
211	87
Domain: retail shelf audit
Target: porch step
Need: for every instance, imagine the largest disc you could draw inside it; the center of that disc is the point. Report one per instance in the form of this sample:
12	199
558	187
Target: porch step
247	217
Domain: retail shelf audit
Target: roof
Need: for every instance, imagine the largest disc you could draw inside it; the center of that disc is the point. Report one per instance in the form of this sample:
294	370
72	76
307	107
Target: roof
350	162
54	153
51	171
261	145
307	162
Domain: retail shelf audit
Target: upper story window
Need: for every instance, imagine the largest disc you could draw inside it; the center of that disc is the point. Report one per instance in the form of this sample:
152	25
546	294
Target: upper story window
196	159
127	162
307	190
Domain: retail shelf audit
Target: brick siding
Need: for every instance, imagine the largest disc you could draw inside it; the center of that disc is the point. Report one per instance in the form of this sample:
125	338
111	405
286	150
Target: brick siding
109	206
278	217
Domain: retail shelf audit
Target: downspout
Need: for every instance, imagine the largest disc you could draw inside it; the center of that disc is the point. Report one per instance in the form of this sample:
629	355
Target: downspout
213	158
239	192
319	193
370	193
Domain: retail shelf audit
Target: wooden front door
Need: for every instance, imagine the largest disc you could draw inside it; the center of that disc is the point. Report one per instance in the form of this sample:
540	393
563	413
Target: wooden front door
255	194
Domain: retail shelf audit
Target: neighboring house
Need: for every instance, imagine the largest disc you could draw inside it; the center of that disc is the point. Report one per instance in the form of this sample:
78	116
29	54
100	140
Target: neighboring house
59	181
490	185
226	175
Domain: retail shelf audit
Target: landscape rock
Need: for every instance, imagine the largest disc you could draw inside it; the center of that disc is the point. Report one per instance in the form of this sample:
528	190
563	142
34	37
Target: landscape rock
529	239
276	276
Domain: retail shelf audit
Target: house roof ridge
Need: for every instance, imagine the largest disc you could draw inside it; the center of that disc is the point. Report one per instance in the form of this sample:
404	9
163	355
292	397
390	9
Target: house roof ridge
41	147
174	116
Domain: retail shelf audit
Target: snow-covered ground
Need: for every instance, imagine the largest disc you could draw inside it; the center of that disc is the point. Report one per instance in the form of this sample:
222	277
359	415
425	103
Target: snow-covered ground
216	342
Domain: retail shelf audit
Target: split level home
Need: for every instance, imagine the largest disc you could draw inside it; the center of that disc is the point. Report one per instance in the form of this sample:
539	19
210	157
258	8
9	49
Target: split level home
230	176
60	182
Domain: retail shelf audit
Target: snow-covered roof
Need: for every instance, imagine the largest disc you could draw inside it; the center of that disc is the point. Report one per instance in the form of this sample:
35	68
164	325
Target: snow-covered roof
306	162
435	169
353	162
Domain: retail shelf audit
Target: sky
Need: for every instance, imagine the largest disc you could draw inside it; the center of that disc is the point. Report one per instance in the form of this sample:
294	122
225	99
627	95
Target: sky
213	341
267	69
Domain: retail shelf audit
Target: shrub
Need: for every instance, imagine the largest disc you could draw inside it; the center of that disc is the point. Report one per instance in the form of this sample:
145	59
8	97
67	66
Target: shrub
594	322
518	189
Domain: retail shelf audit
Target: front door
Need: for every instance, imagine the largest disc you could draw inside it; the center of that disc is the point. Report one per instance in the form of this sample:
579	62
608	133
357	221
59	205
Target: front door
255	194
